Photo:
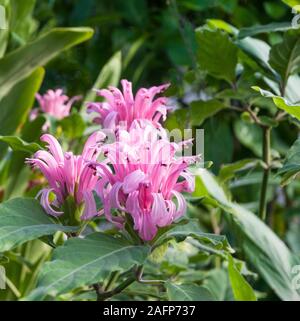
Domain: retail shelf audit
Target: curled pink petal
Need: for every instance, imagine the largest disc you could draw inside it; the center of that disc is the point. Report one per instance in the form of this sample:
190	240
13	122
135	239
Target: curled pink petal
148	229
181	206
115	197
44	193
90	150
159	213
110	120
132	181
90	208
53	146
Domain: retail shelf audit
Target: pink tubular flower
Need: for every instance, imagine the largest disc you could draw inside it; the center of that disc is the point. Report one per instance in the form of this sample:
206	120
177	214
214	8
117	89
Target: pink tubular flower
55	103
121	108
145	178
68	174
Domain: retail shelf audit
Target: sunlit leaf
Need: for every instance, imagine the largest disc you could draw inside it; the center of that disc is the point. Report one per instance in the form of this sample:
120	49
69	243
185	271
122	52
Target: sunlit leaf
73	126
280	102
292	3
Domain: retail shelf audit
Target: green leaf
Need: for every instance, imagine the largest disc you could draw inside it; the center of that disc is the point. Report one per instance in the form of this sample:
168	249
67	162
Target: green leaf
285	56
108	76
291	167
217	282
237	94
228	171
86	261
17	144
263	248
210	187
73	126
188	292
22	220
4	33
271	27
213	243
268	121
257	50
20	63
16	105
293	238
292	89
214	128
249	135
292	93
267	253
275	10
177	120
242	290
18	174
201	110
216	54
22	24
227	5
280	102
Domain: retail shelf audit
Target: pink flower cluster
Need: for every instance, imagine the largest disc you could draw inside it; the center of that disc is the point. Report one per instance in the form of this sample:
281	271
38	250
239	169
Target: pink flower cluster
55	104
68	174
123	108
145	178
141	174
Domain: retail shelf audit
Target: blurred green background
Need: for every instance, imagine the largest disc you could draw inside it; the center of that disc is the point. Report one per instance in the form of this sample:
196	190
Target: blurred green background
156	38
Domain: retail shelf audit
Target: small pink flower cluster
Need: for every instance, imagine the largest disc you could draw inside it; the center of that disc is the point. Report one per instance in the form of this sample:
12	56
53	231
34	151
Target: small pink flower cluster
122	108
140	174
55	104
68	174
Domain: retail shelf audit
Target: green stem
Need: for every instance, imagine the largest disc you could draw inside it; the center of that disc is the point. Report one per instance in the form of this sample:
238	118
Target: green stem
267	161
101	296
98	291
113	278
139	278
